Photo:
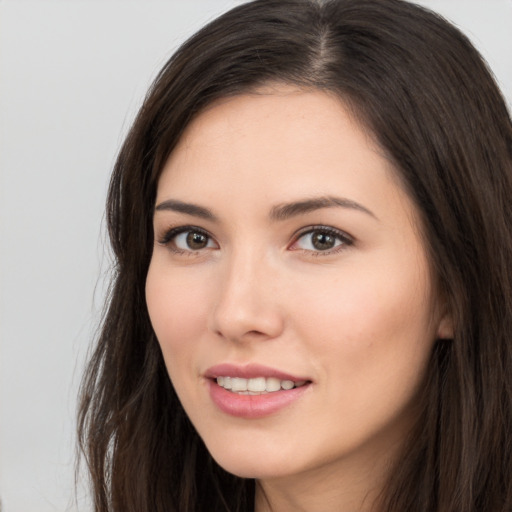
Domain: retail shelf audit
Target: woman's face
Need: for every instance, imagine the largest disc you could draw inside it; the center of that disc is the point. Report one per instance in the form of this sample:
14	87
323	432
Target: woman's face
287	255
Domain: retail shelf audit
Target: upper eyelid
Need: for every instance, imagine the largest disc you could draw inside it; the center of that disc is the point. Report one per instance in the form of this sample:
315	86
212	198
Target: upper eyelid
169	233
320	227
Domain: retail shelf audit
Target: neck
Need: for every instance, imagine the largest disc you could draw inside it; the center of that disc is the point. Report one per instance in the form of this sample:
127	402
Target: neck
353	484
304	495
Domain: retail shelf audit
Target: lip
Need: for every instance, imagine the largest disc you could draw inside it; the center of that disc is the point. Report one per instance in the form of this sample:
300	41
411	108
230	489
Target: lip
252	406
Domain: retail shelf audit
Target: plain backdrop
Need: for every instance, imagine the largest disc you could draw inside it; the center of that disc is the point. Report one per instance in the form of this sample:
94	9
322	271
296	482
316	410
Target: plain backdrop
72	75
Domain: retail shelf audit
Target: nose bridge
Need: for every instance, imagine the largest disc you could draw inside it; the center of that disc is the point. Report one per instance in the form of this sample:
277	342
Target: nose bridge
246	305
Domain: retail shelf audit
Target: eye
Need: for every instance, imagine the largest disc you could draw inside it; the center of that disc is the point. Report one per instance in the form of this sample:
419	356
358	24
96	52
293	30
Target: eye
188	239
322	239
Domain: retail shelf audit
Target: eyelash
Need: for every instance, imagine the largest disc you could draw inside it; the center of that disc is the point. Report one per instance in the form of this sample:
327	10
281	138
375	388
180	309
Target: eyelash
345	239
172	233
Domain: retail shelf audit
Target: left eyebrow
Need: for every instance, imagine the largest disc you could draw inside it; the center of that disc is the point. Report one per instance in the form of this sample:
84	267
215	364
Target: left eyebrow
285	211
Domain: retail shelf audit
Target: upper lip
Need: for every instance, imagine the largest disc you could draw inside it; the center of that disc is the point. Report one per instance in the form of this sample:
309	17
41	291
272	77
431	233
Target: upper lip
249	371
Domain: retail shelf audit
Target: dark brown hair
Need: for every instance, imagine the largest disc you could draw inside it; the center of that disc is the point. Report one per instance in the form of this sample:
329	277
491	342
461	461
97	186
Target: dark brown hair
430	101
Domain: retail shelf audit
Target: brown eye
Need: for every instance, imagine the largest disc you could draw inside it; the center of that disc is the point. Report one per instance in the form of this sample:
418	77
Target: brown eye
196	241
188	240
322	241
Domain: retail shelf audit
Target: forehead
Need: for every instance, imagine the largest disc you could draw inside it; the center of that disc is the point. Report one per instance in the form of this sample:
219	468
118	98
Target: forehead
274	130
276	145
272	107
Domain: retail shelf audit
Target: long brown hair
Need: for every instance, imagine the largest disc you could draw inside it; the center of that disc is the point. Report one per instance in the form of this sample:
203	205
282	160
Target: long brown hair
429	99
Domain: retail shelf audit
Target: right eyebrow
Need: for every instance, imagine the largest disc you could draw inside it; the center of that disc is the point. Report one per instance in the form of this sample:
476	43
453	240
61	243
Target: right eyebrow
187	208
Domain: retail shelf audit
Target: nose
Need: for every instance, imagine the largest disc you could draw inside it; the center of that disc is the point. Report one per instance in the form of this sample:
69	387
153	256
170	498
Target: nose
247	305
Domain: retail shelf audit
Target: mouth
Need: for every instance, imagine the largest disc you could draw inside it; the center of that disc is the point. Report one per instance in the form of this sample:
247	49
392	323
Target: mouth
257	385
254	391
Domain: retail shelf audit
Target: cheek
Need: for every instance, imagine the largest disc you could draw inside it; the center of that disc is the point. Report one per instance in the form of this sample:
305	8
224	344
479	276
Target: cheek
177	308
373	325
371	341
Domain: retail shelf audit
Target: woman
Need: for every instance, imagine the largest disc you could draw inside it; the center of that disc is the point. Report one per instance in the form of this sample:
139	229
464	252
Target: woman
313	230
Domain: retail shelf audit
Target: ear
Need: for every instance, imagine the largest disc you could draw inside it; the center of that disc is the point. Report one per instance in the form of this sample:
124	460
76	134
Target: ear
445	327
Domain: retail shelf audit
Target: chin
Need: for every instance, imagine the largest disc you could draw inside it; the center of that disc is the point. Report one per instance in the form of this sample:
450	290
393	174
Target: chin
254	465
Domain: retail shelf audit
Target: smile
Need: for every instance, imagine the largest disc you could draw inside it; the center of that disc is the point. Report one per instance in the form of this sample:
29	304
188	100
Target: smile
254	391
257	385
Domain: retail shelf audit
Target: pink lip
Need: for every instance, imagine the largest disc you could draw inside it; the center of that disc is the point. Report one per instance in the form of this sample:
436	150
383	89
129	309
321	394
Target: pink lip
252	406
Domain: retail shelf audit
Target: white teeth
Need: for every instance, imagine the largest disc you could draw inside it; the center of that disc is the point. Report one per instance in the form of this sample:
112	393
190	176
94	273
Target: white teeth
238	384
257	385
225	382
273	384
287	384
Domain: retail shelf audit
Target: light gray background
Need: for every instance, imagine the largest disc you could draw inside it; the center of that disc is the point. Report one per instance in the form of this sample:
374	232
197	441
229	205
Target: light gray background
72	74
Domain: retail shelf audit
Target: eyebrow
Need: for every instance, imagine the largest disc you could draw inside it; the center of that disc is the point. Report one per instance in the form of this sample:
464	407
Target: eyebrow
285	211
279	212
188	208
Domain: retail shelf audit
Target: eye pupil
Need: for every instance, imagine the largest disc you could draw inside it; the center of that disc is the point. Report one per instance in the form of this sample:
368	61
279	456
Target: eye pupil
323	241
197	240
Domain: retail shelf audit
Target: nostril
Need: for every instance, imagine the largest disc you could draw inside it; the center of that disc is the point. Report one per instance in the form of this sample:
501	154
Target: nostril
256	333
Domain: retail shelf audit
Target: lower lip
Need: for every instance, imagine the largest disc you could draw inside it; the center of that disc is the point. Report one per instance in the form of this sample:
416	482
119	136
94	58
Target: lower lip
254	406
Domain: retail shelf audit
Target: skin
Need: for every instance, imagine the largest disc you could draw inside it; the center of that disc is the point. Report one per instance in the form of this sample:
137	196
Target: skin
359	320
